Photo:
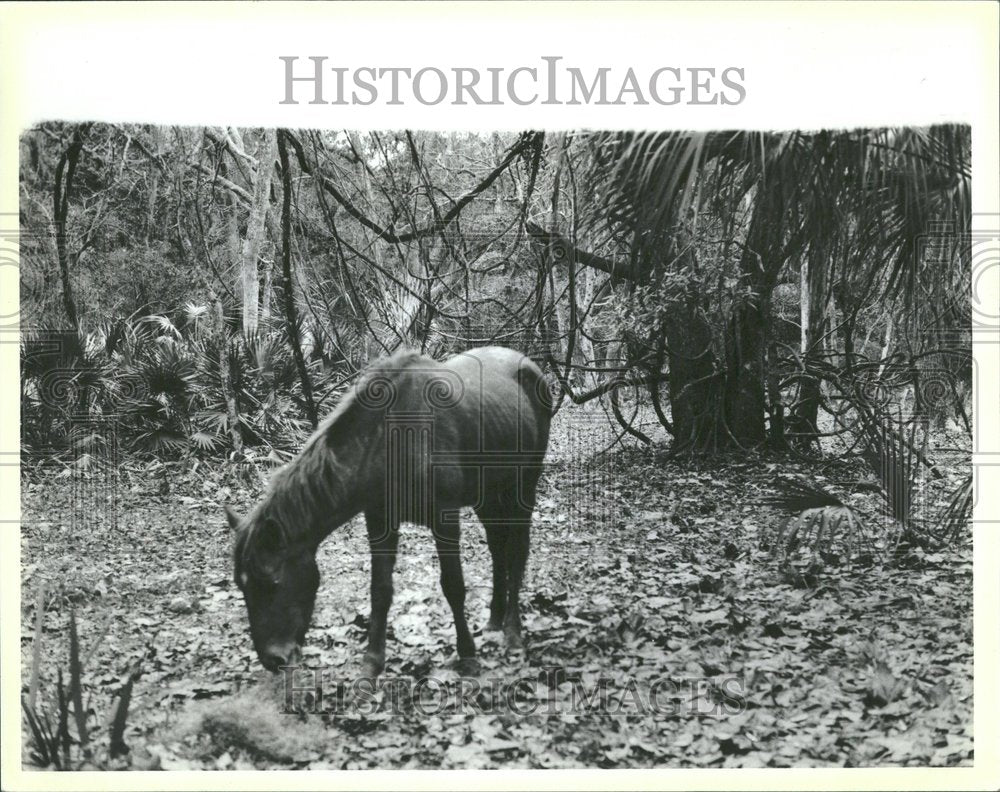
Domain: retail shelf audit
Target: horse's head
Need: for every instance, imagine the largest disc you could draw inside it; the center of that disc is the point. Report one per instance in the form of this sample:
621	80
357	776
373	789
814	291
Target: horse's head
279	579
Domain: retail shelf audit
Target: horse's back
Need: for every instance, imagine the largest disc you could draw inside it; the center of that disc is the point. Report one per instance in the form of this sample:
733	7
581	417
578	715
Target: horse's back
505	397
456	432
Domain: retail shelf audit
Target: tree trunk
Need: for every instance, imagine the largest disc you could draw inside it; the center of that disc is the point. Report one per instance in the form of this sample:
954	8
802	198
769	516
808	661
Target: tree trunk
775	407
154	185
291	318
587	356
265	297
749	330
745	404
692	381
813	294
249	277
232	406
704	415
65	171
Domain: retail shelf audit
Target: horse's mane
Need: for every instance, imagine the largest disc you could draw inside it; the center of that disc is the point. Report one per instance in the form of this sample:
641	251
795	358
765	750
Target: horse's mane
305	494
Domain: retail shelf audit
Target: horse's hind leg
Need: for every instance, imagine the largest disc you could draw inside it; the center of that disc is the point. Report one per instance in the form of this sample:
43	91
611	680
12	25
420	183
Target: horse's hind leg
518	537
447	539
518	519
496	539
507	520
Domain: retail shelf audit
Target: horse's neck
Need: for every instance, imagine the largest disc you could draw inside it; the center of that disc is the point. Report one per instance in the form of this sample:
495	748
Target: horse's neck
335	484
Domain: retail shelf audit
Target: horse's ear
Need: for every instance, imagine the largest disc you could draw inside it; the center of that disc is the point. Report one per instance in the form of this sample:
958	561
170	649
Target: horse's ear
233	518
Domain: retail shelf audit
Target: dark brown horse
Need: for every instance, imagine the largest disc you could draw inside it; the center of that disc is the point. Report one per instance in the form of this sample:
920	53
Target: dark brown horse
414	441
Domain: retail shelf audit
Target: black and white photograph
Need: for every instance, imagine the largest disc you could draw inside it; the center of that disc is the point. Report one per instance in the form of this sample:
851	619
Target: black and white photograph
379	448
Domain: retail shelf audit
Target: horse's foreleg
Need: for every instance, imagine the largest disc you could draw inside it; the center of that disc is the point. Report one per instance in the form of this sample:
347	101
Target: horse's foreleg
447	540
383	539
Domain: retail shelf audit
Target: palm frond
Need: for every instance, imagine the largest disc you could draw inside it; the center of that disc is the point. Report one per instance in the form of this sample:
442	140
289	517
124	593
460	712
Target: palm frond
957	514
893	457
205	441
796	495
163	324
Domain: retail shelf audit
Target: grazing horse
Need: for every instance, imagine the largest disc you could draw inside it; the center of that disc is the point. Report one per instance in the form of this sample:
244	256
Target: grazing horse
415	440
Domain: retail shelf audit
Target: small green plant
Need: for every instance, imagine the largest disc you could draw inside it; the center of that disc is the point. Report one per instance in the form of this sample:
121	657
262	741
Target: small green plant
50	742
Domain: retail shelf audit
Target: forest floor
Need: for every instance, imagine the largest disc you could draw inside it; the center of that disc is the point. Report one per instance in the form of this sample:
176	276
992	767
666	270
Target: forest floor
661	630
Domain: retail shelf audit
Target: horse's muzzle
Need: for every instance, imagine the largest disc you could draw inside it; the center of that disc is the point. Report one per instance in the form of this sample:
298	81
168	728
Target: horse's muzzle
276	655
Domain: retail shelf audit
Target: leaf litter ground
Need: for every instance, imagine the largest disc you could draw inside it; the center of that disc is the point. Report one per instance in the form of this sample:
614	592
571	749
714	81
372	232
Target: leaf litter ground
660	630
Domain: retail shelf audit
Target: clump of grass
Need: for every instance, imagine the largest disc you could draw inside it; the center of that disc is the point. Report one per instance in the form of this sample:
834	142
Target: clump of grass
253	722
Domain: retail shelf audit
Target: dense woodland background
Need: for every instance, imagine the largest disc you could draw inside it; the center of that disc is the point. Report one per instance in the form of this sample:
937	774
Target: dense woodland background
215	288
784	315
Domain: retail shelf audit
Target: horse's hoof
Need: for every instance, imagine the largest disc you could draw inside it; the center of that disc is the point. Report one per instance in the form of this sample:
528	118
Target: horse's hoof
370	669
468	667
514	641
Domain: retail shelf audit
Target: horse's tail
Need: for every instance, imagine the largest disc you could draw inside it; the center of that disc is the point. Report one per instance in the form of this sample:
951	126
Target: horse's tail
533	382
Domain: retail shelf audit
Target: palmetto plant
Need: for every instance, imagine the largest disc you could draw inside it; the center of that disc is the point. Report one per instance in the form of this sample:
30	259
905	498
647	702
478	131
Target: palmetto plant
893	450
161	385
264	379
272	387
157	386
819	527
64	378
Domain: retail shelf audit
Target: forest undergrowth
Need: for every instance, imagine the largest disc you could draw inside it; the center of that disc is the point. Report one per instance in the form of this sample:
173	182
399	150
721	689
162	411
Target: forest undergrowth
662	628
